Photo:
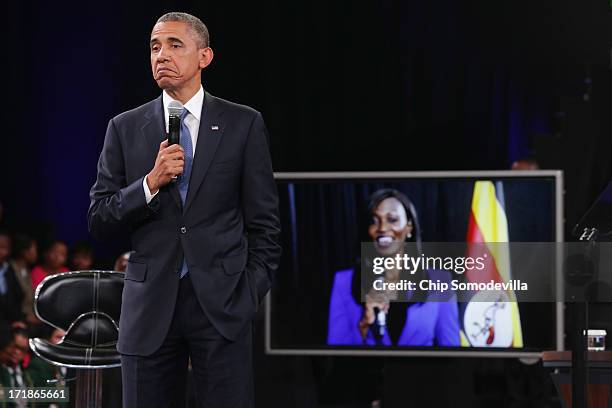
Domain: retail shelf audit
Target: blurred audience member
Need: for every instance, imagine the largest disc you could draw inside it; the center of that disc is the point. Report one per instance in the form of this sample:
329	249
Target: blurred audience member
81	256
54	261
25	254
11	295
20	368
13	361
121	262
43	370
525	164
57	336
10	354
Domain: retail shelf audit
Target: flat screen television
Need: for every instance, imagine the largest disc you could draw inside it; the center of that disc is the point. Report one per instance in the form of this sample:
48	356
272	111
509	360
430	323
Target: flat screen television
316	308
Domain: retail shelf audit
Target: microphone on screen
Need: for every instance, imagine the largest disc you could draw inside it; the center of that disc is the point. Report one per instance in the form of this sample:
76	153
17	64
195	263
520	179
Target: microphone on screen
175	109
379	327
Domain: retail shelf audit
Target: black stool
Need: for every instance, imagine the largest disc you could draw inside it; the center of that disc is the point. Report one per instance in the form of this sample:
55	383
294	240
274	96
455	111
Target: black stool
86	305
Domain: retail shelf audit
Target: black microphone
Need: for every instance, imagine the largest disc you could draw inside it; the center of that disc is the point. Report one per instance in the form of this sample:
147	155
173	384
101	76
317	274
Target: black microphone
175	109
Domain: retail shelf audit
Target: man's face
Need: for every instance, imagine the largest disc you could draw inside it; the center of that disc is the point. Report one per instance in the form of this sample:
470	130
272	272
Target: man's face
55	257
176	59
21	342
11	355
82	261
31	254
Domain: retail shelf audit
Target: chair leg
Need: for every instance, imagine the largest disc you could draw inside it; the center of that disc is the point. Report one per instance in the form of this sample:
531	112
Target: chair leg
89	389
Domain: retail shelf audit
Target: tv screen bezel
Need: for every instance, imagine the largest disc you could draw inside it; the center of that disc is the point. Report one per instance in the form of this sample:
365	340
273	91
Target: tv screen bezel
399	352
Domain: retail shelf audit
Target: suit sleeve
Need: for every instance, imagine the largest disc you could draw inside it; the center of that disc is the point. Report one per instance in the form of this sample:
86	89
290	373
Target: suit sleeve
260	209
343	323
447	325
114	205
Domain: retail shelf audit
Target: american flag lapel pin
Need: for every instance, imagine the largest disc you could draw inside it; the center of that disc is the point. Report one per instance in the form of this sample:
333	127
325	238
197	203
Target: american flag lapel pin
214	127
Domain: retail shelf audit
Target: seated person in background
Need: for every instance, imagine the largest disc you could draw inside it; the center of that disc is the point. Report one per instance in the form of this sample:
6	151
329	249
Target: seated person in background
25	255
10	354
81	257
40	371
11	295
11	359
393	221
21	368
525	164
56	336
121	262
54	260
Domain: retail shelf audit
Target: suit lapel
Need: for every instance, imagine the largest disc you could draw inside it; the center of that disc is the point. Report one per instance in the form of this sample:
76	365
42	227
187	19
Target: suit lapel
209	135
154	130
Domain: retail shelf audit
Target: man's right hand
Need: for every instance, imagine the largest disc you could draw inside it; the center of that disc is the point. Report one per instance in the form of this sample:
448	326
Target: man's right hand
168	164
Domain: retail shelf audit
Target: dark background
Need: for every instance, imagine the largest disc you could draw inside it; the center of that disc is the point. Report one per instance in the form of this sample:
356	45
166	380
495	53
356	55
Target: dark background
343	85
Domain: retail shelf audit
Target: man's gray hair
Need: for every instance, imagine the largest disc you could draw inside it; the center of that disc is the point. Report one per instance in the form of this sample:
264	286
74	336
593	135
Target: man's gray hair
196	25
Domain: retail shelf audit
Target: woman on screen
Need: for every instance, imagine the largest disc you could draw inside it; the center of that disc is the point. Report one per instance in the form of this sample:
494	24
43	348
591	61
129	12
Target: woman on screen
393	221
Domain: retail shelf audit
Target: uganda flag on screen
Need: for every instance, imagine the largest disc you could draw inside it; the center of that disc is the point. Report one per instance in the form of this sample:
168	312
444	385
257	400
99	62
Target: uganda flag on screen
490	319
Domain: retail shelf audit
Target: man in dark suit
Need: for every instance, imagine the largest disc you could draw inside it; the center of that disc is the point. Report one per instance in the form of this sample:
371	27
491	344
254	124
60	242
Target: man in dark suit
11	294
204	227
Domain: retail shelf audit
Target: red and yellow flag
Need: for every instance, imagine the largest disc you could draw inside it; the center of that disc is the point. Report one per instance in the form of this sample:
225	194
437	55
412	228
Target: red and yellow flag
495	323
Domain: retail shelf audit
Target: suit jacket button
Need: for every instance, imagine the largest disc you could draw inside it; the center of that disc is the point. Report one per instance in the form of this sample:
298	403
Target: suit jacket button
183	230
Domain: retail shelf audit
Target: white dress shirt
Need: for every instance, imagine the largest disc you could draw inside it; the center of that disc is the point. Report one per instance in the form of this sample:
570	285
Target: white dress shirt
194	107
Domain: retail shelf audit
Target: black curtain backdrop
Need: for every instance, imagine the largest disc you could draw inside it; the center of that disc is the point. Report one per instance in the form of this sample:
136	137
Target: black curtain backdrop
381	85
344	85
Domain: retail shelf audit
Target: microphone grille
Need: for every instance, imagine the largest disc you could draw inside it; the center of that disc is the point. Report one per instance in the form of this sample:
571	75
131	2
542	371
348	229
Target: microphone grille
175	108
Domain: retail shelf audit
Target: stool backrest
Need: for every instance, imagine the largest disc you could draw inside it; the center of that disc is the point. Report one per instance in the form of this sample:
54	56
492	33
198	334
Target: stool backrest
85	304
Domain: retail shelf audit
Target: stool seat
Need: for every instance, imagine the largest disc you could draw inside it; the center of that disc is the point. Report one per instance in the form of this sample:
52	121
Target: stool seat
75	357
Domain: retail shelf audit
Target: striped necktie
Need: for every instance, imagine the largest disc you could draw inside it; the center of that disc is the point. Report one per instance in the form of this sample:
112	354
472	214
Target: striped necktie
183	180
